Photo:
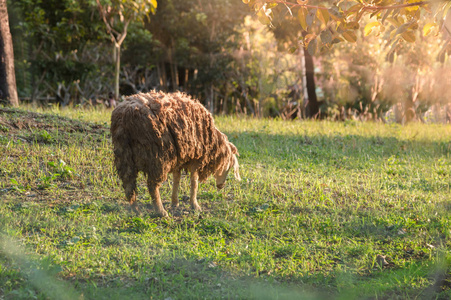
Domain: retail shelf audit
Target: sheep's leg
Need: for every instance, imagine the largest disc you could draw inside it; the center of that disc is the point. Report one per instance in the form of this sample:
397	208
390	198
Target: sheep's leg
194	185
175	188
154	191
129	184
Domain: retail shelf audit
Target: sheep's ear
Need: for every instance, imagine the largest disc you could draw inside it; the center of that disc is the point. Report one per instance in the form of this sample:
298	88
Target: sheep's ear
236	168
234	149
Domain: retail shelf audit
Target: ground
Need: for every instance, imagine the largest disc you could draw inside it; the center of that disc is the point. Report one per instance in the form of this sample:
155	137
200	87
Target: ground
341	210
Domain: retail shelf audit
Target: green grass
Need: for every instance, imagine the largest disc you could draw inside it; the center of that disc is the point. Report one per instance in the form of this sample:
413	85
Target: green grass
319	201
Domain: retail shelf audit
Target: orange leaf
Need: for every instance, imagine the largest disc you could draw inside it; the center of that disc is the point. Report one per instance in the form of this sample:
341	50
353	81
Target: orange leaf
408	36
350	36
302	17
323	15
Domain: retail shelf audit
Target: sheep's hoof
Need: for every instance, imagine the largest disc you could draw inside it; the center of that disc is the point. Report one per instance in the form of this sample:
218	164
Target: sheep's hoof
196	207
162	213
134	208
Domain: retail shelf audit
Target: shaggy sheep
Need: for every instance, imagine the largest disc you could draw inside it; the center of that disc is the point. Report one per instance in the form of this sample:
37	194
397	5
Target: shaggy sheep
158	134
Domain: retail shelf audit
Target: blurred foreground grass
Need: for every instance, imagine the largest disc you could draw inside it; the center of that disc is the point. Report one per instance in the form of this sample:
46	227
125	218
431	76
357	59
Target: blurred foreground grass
342	210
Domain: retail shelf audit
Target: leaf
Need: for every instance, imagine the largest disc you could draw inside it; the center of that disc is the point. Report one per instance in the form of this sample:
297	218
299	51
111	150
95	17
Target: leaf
444	51
376	13
326	36
308	38
392	34
408	36
369	27
353	25
391	56
337	40
394	22
350	36
257	6
392	46
271	5
263	17
312	47
428	28
335	13
309	18
386	14
322	15
446	9
441	56
396	13
292	50
246	1
414	26
302	17
355	8
401	29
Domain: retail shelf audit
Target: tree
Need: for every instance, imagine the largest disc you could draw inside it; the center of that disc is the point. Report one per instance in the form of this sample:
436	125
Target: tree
8	89
52	64
341	21
194	36
287	30
117	15
261	79
325	24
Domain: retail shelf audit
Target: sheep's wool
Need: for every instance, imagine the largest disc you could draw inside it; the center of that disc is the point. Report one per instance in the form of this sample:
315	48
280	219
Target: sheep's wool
158	133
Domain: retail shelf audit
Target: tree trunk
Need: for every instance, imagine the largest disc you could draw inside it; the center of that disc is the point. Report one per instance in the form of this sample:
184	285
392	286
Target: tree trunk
312	107
8	89
161	68
117	48
224	103
304	100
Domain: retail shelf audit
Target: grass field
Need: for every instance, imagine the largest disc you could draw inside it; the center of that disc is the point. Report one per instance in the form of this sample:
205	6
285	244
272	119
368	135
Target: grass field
324	211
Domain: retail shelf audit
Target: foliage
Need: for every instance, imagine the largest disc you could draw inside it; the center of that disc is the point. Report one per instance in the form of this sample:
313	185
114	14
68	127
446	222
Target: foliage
391	68
328	24
190	36
195	42
262	74
117	11
51	61
117	16
63	54
359	80
320	203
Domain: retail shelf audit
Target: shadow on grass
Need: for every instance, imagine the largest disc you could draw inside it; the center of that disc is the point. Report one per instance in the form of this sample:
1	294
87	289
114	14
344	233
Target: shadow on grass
166	278
171	276
180	278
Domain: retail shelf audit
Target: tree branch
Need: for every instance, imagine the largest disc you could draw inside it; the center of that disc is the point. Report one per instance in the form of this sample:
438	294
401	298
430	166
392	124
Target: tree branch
124	32
365	7
419	3
108	27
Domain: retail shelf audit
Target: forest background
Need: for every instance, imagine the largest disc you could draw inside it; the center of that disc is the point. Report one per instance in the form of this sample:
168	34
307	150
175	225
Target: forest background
220	52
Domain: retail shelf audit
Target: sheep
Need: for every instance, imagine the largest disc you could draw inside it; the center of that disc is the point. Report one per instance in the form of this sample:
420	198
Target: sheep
158	133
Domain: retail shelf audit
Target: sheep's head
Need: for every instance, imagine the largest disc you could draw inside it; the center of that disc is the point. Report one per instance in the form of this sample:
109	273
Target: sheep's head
221	173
